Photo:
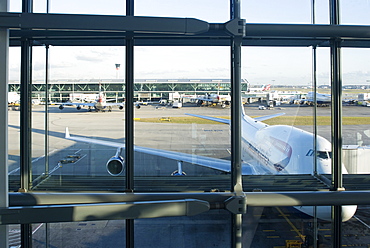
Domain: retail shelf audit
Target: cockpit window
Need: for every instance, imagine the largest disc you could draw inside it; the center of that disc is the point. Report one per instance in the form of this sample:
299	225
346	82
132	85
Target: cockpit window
320	154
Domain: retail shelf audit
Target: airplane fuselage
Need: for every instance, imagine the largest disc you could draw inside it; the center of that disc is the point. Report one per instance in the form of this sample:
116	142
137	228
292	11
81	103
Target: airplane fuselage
282	149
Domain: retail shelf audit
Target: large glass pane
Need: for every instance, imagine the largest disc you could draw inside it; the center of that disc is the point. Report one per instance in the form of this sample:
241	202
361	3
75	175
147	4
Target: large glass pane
203	10
39	166
15	6
183	81
190	153
280	83
86	92
270	11
356	129
321	15
354	12
323	98
14	118
100	7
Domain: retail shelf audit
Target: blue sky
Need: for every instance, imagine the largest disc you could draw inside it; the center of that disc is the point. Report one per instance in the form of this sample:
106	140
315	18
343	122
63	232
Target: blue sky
259	65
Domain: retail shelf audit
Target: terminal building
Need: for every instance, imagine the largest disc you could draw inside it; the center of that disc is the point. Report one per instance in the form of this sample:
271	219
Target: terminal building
147	89
162	177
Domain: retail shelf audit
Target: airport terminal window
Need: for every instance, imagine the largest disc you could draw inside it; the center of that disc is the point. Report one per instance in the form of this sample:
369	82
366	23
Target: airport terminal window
79	73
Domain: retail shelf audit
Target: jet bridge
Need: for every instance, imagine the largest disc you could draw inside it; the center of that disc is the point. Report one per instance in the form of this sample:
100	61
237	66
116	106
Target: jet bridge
356	159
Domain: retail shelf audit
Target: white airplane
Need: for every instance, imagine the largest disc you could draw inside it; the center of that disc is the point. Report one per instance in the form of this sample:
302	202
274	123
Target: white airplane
13	98
222	100
99	105
321	99
277	149
262	88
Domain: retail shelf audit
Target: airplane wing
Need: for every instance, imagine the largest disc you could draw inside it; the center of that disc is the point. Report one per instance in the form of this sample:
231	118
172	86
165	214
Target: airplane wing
221	120
89	104
205	99
266	117
114	104
227	121
214	163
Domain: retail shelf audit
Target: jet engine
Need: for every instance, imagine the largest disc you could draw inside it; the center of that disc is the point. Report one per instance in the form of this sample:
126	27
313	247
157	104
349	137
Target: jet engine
61	107
179	171
120	107
78	107
115	165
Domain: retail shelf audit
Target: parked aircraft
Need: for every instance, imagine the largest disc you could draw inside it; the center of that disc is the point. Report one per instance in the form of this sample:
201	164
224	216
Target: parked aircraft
277	149
321	99
222	100
100	104
262	88
13	98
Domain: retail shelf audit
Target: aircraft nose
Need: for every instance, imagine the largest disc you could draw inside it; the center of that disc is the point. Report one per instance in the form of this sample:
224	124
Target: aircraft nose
324	166
348	212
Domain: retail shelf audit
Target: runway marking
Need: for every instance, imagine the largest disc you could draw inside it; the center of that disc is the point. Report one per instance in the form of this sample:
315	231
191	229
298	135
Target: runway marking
14	236
291	224
60	165
78	160
37	228
52	170
33	161
14	171
361	221
55	168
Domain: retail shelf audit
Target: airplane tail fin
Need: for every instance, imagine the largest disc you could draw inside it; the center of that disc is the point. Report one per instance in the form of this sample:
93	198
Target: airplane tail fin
67	133
243	112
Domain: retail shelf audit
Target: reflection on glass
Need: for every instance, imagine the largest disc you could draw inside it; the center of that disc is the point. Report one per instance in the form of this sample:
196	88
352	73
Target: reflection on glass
205	230
285	227
79	234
